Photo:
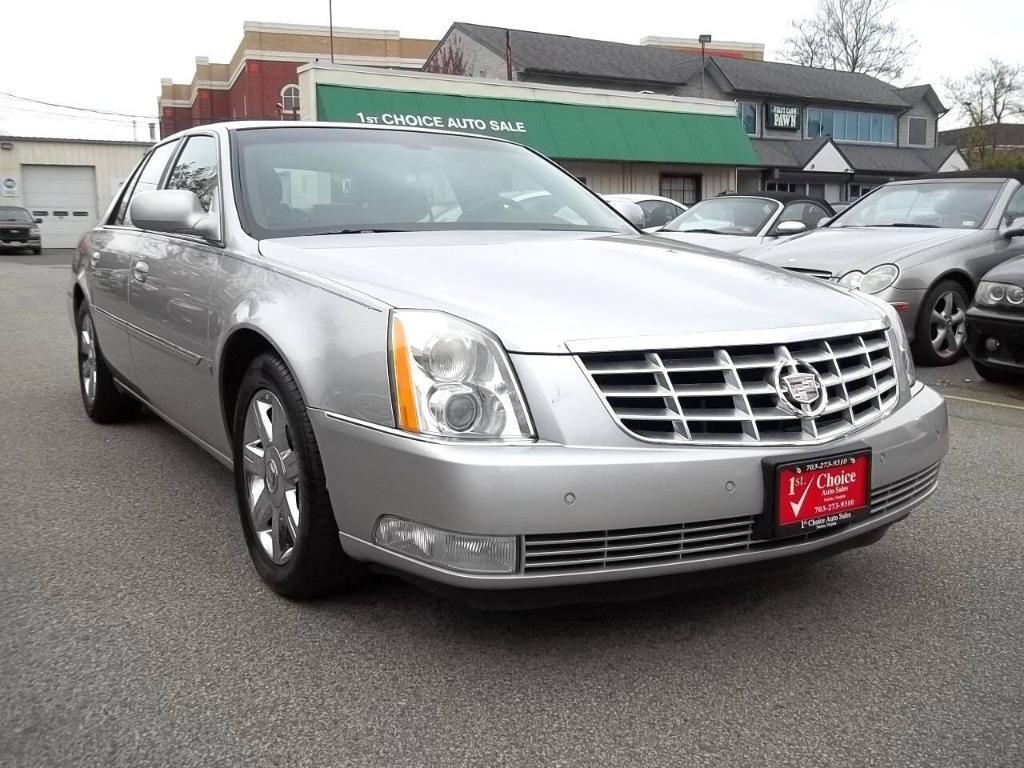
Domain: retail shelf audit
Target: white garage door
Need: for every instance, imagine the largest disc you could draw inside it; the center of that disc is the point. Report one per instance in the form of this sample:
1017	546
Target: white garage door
64	197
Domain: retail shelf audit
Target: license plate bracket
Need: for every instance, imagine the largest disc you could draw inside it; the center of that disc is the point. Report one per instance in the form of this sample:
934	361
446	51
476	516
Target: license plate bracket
811	494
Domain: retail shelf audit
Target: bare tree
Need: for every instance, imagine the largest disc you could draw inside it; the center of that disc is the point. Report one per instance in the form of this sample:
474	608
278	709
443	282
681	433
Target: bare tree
449	60
988	95
852	35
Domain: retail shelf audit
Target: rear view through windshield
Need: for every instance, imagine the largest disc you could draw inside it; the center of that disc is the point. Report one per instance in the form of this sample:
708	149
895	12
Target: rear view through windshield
303	181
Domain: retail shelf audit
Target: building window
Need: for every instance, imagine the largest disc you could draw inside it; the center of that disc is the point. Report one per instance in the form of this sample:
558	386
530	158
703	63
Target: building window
857	191
748	114
917	129
846	125
682	189
290	99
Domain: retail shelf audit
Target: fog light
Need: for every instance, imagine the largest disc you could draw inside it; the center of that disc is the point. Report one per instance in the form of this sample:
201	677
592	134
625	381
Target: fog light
991	344
466	552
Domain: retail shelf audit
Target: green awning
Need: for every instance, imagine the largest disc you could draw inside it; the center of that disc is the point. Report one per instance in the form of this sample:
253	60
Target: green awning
562	131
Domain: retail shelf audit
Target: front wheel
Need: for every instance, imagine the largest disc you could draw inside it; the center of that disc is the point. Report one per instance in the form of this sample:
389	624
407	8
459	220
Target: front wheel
285	510
941	324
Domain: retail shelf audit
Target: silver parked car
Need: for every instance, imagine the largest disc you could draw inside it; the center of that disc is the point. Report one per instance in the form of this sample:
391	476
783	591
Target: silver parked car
741	223
922	246
505	401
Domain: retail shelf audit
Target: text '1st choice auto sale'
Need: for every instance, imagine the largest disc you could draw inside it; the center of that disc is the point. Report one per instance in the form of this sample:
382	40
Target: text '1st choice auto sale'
437	121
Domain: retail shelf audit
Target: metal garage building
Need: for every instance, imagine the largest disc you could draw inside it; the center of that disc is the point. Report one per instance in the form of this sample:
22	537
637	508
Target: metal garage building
67	183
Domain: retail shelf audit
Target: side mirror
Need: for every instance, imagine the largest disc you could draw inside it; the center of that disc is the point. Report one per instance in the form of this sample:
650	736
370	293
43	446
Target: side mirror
630	211
1014	228
786	228
822	222
38	221
174	211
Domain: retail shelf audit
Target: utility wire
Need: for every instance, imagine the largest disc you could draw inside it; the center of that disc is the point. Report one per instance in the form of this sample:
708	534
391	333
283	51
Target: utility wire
79	109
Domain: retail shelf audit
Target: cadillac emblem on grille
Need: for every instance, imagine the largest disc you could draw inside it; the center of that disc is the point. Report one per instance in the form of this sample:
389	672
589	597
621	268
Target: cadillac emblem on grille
800	388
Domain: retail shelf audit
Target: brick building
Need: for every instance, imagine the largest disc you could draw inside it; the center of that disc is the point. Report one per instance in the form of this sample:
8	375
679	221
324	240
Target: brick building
260	83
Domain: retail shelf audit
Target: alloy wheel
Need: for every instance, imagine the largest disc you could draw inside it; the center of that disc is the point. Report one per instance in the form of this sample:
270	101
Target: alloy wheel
271	471
87	359
948	324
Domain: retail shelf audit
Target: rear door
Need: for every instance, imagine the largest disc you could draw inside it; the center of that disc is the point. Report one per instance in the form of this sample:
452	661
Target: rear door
169	302
113	247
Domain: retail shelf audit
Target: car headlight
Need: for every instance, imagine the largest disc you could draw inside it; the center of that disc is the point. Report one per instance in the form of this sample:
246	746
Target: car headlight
33	230
999	294
453	379
873	281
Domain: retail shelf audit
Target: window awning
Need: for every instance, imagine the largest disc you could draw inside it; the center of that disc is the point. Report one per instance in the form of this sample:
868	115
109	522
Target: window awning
562	131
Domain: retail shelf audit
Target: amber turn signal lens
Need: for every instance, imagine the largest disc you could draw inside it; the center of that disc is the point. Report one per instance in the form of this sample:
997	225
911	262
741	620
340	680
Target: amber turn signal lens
401	364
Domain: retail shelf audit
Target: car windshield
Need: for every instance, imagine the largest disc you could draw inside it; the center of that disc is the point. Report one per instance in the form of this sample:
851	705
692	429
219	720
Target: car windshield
949	204
20	215
318	180
744	216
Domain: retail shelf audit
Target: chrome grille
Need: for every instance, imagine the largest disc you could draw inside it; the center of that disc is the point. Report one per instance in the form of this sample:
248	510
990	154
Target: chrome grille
725	395
632	547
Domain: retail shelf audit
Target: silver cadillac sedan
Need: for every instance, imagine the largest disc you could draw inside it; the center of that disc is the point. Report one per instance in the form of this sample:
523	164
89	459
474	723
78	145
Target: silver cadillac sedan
495	402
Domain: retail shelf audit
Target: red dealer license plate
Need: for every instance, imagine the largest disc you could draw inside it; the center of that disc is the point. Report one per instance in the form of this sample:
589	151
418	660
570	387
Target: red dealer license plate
821	493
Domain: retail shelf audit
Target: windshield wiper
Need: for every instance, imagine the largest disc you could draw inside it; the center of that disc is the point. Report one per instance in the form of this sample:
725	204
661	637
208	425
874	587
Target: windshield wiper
698	231
908	224
355	231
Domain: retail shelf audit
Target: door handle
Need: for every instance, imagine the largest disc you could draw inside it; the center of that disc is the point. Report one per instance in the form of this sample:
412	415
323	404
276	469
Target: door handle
94	259
140	271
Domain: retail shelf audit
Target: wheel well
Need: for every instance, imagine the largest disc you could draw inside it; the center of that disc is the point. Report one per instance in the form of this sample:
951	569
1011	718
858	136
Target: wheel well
78	297
241	348
963	279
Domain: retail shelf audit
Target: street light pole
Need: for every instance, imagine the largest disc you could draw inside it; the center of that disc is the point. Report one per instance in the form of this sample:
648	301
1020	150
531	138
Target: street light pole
704	40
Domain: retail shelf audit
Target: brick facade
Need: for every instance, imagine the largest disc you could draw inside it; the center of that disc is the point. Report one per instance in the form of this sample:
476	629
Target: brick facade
249	86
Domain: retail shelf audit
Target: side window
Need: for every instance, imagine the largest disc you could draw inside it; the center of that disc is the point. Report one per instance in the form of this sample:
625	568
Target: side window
147	179
196	170
1015	208
812	215
793	212
657	213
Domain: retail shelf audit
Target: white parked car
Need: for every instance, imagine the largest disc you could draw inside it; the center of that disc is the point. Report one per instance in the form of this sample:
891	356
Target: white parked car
658	211
739	223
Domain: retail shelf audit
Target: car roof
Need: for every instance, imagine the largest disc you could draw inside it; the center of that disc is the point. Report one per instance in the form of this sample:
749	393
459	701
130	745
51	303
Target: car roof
633	197
1003	175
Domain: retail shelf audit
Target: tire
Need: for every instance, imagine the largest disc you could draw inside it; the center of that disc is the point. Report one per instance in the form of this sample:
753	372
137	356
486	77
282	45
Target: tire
36	251
996	375
102	400
941	324
279	477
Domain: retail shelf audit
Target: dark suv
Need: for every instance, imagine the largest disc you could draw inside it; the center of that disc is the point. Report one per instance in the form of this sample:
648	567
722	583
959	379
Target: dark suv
18	229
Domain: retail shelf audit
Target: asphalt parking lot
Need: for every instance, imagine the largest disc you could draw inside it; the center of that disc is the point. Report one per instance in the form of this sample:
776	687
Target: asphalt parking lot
135	631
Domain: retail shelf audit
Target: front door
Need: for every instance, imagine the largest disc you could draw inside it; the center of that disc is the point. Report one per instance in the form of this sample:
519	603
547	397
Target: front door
169	305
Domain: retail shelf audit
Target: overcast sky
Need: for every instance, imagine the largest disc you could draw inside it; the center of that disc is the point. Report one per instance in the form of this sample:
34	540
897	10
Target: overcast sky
111	54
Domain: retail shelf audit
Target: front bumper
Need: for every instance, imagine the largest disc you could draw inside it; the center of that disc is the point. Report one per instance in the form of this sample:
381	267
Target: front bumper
29	241
1007	329
912	299
522	490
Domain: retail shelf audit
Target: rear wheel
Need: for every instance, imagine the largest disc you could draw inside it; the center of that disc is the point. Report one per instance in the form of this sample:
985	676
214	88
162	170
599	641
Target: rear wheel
941	324
285	510
103	401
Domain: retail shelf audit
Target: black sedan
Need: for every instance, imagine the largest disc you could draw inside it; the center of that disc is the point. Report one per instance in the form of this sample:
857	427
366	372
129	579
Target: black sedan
995	323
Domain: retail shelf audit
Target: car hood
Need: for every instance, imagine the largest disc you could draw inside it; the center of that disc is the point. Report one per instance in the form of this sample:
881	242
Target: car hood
840	249
1011	271
552	292
726	243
